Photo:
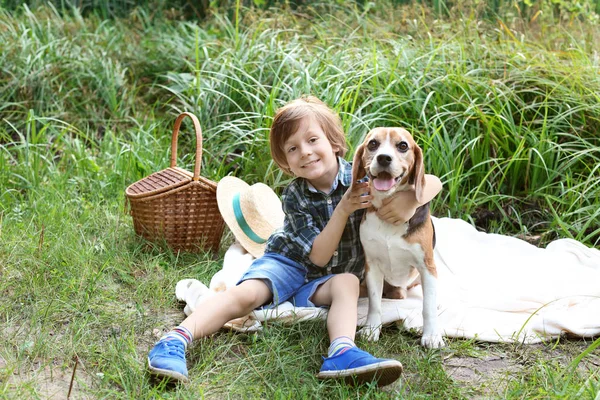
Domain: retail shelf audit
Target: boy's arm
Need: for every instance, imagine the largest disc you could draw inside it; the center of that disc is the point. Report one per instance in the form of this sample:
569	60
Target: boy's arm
328	240
402	206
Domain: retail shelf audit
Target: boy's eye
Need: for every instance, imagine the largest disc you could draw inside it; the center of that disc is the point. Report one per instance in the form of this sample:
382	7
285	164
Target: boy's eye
291	149
312	140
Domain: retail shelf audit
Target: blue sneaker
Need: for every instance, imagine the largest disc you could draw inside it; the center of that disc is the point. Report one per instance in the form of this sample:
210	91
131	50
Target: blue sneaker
358	366
167	359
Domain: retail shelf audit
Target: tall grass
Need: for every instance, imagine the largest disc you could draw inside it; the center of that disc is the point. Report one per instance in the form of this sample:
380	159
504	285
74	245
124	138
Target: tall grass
506	111
510	125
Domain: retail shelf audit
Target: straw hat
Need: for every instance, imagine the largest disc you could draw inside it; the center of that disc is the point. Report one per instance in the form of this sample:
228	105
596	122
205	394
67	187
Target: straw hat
252	213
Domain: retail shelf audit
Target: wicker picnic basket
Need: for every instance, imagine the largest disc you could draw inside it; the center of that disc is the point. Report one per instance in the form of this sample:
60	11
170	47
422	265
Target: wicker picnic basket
176	206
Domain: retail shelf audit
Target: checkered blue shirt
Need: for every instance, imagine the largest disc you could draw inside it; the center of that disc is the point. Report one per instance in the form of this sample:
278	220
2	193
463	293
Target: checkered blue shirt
307	211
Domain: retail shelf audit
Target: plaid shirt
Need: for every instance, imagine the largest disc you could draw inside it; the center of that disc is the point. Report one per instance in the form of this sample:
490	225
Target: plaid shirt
307	211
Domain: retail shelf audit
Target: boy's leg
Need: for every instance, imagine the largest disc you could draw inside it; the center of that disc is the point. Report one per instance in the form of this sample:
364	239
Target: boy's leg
167	357
340	293
345	360
214	311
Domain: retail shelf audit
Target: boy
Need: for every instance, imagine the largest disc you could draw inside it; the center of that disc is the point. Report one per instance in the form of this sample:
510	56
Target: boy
316	259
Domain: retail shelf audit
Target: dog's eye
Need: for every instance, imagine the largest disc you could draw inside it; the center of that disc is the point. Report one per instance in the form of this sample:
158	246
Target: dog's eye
372	145
402	146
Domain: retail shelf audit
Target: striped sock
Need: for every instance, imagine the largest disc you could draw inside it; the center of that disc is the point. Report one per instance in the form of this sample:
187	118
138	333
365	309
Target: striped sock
179	333
339	345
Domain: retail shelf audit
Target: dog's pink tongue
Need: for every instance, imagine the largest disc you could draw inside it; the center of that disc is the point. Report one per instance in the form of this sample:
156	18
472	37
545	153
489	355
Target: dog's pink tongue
383	184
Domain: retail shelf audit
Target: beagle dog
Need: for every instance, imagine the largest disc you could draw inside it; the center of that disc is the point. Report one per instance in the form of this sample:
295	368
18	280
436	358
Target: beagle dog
395	253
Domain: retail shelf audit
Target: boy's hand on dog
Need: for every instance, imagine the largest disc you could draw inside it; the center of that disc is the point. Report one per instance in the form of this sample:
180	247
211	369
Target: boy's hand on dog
398	208
401	206
356	198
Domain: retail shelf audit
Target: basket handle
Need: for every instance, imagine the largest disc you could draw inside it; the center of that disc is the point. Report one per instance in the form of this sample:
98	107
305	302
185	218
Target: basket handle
198	130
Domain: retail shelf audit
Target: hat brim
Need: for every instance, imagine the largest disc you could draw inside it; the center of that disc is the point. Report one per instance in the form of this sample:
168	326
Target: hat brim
226	189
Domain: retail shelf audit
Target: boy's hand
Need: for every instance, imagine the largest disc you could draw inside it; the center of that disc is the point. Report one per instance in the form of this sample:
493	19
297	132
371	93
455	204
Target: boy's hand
400	207
326	242
355	198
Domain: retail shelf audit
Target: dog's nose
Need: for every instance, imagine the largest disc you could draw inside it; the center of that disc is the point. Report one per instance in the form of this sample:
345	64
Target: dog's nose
384	160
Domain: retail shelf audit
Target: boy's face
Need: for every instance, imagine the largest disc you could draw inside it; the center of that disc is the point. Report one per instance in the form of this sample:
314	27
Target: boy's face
309	155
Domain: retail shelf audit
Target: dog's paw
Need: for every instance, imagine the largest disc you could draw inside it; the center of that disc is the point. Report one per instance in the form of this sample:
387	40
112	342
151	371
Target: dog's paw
370	333
433	341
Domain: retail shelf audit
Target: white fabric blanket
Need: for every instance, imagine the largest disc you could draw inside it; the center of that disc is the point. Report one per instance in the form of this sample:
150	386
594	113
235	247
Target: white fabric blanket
491	287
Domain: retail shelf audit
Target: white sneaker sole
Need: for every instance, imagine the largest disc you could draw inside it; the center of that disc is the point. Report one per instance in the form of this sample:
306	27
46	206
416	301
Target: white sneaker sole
383	373
165	373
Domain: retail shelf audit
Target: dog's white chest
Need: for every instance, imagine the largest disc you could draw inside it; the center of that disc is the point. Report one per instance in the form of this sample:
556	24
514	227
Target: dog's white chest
386	249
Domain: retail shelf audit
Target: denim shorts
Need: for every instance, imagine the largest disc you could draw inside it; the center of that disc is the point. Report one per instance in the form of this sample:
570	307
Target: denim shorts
285	278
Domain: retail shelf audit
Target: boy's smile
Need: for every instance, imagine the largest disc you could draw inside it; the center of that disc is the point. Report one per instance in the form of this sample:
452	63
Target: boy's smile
309	155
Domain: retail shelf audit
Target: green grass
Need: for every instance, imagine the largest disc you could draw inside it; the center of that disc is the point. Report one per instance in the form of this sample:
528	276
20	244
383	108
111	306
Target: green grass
507	112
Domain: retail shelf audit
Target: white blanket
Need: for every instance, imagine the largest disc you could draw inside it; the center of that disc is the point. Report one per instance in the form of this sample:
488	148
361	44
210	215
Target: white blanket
491	287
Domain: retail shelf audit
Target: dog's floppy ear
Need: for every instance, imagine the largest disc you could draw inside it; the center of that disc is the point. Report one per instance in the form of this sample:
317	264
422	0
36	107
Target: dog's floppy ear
417	175
358	169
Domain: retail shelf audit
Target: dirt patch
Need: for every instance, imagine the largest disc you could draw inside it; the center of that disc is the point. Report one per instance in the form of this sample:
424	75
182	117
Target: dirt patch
164	322
564	353
155	329
52	381
487	371
487	376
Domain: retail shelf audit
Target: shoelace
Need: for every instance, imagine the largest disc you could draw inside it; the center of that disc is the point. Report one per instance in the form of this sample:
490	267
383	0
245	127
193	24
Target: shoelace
173	349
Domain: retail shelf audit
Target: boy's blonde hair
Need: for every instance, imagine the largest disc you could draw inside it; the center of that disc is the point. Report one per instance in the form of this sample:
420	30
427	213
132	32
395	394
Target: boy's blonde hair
287	119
